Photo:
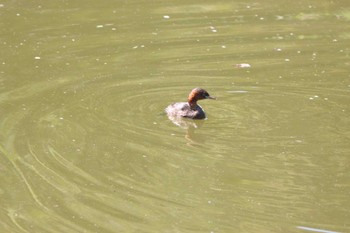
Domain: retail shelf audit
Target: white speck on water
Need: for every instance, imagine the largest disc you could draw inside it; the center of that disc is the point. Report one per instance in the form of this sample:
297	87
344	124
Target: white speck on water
209	202
37	58
278	49
287	59
18	14
223	46
213	29
61	118
243	65
73	40
99	26
166	17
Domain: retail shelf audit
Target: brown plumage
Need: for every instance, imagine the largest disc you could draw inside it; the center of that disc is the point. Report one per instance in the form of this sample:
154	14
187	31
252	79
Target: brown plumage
190	109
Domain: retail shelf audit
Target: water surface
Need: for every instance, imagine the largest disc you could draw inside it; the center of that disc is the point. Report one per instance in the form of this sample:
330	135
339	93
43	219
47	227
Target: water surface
85	145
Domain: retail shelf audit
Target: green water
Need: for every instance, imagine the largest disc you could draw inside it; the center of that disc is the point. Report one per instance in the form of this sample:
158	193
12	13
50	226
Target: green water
85	145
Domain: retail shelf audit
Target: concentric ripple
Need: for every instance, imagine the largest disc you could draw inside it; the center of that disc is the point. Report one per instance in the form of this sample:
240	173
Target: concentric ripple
63	140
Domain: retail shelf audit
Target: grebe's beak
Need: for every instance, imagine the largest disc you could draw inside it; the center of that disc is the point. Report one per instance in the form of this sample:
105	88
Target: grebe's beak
211	97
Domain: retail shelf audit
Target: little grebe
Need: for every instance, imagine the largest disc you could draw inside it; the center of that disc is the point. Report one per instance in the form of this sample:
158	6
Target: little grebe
189	109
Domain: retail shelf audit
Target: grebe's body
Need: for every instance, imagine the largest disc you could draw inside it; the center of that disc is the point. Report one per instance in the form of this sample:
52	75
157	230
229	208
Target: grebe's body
189	109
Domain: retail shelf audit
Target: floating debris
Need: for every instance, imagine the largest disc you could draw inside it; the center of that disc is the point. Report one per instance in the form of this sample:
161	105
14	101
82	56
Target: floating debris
166	17
243	65
37	58
313	97
137	46
213	29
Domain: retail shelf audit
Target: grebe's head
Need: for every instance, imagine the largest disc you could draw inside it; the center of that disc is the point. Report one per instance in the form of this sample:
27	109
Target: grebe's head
199	94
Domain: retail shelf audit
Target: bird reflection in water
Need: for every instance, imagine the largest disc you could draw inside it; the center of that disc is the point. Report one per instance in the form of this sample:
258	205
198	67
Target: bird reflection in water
190	126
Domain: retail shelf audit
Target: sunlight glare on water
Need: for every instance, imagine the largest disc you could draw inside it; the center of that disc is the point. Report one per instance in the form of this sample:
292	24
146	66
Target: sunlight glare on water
85	145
